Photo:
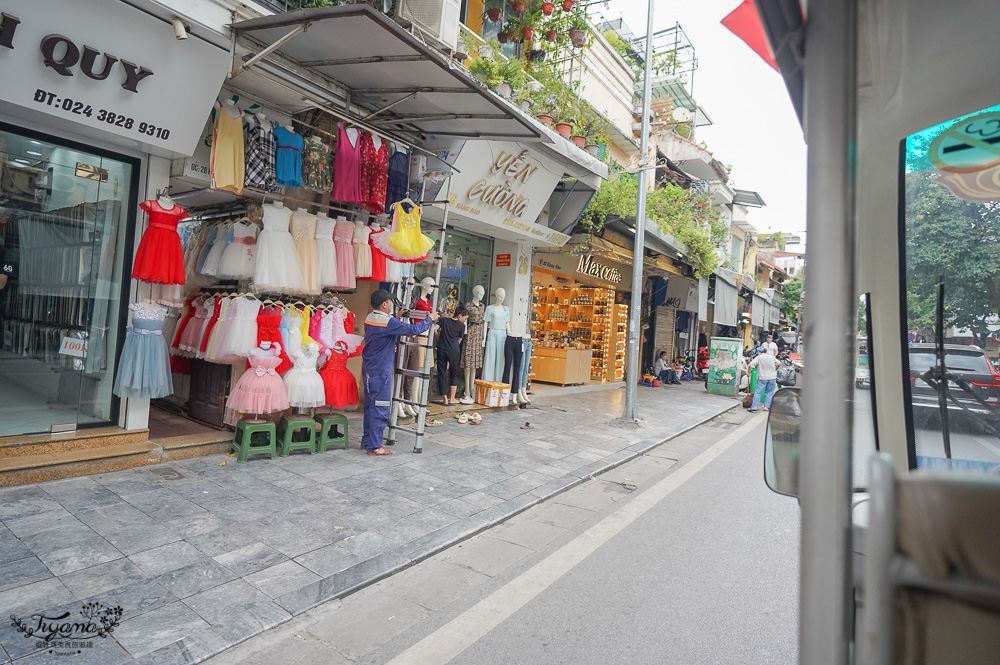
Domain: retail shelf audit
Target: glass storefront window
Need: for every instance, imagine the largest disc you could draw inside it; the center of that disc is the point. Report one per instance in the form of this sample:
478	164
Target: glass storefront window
467	262
63	237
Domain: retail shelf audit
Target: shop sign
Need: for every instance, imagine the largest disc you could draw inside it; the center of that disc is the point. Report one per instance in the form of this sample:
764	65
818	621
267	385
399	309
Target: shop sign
503	260
111	67
71	346
588	268
506	185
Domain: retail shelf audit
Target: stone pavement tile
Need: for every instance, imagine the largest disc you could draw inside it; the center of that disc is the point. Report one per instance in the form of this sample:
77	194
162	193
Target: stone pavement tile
346	581
127	528
126	483
328	560
458	508
135	599
480	500
528	533
35	597
434	584
558	514
101	652
250	559
512	488
156	628
69	548
203	492
283	578
488	556
25	500
103	578
226	539
358	628
195	578
400	506
32	525
237	610
15	643
197	525
590	496
293	539
164	505
80	493
166	558
281	477
408	528
11	548
554	487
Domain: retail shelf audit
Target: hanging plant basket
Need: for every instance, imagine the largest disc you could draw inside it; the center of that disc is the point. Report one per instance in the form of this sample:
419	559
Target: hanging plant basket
546	119
536	55
518	6
565	129
567	5
503	36
527	32
548	8
578	37
550	35
494	14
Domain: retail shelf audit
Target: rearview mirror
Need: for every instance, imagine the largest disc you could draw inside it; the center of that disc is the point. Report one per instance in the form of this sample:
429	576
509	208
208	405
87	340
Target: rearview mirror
781	447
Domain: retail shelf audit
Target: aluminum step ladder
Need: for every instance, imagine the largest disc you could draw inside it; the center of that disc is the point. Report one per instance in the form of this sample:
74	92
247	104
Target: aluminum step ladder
403	344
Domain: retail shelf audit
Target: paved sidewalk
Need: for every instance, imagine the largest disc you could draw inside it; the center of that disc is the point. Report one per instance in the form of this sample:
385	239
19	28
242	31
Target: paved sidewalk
201	556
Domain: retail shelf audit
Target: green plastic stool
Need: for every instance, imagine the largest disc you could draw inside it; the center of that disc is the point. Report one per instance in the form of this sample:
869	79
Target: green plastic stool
243	439
328	422
290	425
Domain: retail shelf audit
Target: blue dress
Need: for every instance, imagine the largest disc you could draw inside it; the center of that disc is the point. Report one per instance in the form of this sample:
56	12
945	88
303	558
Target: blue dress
288	157
496	318
144	368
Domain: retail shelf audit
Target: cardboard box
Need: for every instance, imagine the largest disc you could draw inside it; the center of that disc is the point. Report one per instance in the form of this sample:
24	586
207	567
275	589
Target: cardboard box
492	393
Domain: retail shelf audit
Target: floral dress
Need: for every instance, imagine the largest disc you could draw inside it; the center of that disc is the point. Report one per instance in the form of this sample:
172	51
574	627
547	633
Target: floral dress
374	173
316	172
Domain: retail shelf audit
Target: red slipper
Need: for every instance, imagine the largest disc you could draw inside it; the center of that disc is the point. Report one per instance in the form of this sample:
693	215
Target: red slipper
380	451
527	426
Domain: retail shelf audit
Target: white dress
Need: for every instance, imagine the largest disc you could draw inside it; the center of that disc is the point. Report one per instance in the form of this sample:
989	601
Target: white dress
303	382
212	349
241	334
211	265
239	257
362	252
326	252
393	271
277	266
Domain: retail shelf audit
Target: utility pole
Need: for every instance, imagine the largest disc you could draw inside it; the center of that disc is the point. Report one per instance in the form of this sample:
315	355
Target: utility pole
630	415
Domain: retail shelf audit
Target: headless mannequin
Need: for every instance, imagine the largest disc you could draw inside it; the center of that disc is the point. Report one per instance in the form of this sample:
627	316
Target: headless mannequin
166	202
513	365
470	372
264	346
230	107
522	394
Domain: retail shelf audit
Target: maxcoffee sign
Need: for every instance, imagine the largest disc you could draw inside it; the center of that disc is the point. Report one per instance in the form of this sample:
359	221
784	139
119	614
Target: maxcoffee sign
111	67
587	268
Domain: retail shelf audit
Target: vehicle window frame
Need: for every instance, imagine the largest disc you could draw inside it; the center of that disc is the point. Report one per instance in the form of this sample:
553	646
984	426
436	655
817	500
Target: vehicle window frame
904	343
869	341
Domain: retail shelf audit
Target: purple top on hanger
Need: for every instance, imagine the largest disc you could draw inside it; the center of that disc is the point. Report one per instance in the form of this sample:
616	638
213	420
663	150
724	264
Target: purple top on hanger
347	167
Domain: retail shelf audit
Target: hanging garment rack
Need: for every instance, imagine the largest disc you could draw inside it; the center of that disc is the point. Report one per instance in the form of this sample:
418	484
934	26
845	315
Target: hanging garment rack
285	197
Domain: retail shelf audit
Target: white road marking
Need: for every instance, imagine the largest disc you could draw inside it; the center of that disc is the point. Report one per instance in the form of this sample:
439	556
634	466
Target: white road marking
463	631
986	444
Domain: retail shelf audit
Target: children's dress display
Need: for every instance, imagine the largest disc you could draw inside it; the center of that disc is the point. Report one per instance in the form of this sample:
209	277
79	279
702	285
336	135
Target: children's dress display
260	149
347	166
213	321
379	273
269	330
223	236
160	257
398	179
144	368
497	317
326	251
241	332
260	389
190	339
303	382
475	335
228	156
374	173
405	243
362	252
303	228
339	385
239	257
343	235
277	267
288	157
218	332
316	172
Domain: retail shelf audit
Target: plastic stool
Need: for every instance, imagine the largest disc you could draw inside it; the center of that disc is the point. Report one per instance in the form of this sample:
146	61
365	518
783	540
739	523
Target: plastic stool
243	439
328	422
290	425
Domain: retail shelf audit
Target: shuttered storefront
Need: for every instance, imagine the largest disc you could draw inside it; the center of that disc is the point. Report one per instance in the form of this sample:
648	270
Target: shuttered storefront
666	319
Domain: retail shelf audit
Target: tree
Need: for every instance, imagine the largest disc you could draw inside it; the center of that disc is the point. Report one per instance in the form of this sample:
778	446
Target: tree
792	294
958	240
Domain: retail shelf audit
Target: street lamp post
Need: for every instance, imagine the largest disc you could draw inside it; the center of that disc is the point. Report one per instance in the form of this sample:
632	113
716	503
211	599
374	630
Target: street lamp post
630	415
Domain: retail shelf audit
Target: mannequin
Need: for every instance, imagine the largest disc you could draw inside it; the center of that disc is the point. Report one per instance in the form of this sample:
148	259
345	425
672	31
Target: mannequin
230	107
526	347
497	330
475	340
513	361
417	355
165	201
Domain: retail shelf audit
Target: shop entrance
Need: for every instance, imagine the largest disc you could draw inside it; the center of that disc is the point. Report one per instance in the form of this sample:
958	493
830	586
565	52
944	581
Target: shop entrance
64	213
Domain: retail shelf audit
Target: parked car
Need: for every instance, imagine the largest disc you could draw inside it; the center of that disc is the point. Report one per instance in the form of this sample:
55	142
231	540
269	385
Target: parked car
970	376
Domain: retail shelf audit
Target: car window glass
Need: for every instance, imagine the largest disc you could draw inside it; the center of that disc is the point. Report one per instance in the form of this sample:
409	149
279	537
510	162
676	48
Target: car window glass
864	439
951	226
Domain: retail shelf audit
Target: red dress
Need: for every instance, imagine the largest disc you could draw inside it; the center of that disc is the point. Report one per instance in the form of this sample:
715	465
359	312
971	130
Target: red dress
208	328
160	257
378	258
374	174
182	364
339	384
269	330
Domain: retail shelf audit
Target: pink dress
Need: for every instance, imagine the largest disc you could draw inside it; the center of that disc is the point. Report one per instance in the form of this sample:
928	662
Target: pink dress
343	237
347	168
260	389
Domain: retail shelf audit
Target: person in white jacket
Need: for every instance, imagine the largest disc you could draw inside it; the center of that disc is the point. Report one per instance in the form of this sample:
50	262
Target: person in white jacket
767	379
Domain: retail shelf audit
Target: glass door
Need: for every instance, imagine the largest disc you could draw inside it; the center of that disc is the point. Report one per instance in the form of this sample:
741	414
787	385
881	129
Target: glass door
63	235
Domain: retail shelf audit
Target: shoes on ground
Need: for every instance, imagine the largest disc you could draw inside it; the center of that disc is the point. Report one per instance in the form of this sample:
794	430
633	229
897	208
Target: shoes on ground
380	451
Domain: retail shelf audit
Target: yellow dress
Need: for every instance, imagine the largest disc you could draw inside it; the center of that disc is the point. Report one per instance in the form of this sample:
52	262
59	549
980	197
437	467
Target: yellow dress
304	328
408	241
228	157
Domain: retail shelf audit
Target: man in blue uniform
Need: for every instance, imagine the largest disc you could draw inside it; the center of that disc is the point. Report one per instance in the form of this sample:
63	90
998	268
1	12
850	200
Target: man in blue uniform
381	331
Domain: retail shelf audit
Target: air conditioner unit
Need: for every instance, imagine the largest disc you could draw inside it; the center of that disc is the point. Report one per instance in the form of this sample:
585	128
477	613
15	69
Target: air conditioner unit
437	20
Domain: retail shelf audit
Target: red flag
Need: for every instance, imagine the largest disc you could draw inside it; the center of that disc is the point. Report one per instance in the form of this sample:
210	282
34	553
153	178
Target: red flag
744	22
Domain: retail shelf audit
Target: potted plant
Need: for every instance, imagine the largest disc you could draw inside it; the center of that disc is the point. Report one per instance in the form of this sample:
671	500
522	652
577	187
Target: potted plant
493	10
509	74
578	28
579	139
536	55
482	69
550	35
564	126
504	35
567	5
548	8
525	23
518	6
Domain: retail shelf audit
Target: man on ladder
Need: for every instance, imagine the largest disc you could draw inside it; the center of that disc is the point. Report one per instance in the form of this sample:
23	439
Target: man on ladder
381	331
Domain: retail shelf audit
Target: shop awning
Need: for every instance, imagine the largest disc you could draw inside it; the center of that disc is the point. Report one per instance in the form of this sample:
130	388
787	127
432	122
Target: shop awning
356	57
725	302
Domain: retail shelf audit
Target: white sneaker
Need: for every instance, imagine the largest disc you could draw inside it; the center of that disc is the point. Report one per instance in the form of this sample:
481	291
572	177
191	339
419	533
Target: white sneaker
466	400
